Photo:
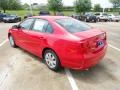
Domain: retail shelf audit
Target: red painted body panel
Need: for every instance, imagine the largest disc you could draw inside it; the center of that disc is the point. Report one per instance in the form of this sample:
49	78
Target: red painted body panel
75	51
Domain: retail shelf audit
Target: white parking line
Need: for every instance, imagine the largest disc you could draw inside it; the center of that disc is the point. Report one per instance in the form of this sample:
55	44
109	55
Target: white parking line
1	44
114	47
71	79
3	75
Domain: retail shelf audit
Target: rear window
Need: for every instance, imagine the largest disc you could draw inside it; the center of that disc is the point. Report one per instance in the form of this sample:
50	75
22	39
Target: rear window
73	25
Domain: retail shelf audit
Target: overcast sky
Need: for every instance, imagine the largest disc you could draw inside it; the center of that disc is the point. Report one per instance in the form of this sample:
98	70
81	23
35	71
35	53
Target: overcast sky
104	3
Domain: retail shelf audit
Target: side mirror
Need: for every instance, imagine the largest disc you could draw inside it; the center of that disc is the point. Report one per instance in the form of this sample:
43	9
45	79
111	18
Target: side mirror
16	26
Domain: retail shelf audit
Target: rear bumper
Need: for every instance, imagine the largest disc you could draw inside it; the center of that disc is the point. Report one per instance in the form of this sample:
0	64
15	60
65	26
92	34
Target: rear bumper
103	18
116	19
94	59
87	62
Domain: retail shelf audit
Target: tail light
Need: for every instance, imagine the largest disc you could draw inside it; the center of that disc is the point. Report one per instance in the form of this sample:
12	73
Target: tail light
91	45
103	36
85	46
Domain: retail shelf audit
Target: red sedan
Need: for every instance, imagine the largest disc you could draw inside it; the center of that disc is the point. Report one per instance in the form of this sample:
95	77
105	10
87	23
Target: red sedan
60	41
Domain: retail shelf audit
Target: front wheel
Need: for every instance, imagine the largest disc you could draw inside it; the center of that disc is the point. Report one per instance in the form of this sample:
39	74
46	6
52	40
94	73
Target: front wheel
12	42
52	60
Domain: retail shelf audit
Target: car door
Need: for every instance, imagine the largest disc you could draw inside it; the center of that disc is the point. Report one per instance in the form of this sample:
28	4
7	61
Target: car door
22	33
37	37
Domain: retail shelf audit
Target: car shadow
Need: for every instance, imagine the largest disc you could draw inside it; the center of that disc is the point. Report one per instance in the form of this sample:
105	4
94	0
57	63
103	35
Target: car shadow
39	60
94	75
97	74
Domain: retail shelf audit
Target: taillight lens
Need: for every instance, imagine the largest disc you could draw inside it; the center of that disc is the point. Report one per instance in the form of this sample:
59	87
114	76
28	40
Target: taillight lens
85	46
103	36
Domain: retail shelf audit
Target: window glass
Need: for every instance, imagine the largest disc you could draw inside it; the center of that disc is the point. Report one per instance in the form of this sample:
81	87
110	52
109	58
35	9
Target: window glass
27	24
39	25
72	25
97	14
49	29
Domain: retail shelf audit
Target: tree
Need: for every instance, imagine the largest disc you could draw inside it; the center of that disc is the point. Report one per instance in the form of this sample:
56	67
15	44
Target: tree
97	8
55	5
82	6
14	4
4	5
26	6
10	4
116	3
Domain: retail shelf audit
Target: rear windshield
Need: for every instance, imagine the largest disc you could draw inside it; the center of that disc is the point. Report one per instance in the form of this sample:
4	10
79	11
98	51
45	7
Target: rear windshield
72	25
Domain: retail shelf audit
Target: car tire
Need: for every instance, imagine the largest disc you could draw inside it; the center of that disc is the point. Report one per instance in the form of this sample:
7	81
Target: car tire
95	21
12	41
106	20
52	60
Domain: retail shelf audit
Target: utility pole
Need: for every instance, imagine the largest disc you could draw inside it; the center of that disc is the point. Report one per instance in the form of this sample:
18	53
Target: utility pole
103	10
31	8
104	5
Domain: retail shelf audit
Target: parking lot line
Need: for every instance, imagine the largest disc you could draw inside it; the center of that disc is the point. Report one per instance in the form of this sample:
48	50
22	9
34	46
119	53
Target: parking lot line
1	44
3	75
114	47
71	79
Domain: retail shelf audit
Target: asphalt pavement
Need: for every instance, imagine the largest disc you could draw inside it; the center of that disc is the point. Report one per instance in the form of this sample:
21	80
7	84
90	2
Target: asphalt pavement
20	70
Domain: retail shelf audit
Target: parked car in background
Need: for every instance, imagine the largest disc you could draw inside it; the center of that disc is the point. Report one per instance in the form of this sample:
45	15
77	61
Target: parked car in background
60	41
11	19
2	15
44	13
102	17
112	17
89	17
75	16
28	15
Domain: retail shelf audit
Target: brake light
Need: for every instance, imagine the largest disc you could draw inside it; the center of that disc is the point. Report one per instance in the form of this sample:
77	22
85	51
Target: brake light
85	46
103	36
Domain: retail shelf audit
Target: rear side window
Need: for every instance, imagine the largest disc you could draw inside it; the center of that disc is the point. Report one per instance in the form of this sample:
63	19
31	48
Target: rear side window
39	25
49	29
73	25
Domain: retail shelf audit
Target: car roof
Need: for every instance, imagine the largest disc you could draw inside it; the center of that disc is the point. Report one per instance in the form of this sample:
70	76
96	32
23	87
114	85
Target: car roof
50	17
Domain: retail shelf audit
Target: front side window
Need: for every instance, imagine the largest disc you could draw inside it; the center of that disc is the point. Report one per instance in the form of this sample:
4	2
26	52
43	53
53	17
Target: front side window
27	24
39	25
72	25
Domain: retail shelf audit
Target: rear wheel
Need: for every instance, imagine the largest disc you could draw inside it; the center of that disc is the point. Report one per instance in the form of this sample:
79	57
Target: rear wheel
52	60
12	42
